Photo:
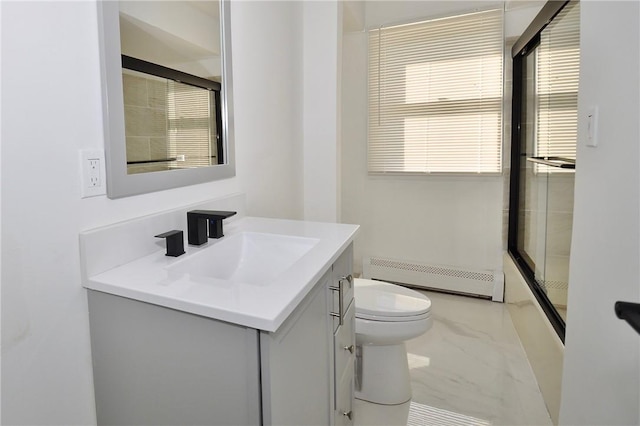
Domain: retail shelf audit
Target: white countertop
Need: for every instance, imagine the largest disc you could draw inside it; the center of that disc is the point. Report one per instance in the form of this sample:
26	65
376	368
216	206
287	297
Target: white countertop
263	306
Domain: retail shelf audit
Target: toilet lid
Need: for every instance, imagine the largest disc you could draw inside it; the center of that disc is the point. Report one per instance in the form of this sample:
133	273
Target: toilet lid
378	299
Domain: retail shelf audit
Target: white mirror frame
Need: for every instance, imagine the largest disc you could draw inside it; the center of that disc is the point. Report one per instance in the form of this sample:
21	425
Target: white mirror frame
119	182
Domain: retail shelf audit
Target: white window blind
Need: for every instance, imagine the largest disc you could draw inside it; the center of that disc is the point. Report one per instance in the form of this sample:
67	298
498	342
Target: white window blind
557	73
191	125
435	96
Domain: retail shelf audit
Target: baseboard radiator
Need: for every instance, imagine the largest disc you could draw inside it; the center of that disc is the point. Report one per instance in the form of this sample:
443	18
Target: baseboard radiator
483	283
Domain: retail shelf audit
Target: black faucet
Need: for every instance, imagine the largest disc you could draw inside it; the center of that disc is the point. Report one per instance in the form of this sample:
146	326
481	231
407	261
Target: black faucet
175	242
197	225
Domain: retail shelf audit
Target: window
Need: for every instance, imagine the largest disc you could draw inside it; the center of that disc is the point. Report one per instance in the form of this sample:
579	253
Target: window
435	96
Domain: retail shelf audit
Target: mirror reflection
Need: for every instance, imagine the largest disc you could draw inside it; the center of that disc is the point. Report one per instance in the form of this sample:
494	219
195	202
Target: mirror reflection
171	61
171	75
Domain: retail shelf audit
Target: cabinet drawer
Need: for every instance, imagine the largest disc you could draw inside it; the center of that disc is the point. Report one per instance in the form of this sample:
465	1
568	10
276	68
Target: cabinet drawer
343	266
344	393
344	344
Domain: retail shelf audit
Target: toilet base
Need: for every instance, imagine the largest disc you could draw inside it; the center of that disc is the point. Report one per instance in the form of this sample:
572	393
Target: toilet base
383	374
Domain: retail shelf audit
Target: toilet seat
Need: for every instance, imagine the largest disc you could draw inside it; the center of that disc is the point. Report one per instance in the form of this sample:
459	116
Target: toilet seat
380	301
381	318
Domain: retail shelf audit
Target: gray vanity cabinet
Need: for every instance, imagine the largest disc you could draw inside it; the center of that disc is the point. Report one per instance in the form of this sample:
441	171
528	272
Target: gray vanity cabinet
308	364
158	366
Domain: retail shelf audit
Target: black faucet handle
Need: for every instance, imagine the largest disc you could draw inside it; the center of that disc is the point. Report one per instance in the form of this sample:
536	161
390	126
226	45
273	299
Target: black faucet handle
211	214
175	242
197	225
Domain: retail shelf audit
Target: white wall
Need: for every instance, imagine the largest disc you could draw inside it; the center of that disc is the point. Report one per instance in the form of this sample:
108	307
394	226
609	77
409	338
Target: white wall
442	220
601	377
267	59
51	108
322	29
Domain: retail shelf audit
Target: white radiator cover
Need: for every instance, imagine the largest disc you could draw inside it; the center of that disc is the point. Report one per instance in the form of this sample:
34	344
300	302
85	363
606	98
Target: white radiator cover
485	283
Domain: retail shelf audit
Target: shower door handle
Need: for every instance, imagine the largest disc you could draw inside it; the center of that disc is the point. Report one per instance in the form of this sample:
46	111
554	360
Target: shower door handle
630	312
560	162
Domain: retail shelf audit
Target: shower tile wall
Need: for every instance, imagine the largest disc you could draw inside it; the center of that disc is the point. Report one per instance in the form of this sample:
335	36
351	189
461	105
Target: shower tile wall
547	230
145	122
559	226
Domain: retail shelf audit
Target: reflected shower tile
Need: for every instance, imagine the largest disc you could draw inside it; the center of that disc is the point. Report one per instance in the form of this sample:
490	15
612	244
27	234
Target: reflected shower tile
158	148
561	190
135	121
157	93
137	148
157	122
535	189
141	121
134	90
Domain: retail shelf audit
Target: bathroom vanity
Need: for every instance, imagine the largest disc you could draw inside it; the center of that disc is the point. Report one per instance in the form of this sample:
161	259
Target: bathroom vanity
251	340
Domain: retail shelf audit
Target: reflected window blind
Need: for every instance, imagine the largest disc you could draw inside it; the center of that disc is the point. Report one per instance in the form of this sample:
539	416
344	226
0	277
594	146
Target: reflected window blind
191	125
435	96
557	73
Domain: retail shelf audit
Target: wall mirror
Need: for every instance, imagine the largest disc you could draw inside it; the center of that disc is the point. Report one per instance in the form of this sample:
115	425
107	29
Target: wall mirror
167	94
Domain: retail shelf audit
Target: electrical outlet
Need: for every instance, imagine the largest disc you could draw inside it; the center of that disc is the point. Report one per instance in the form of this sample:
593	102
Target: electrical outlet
92	179
94	172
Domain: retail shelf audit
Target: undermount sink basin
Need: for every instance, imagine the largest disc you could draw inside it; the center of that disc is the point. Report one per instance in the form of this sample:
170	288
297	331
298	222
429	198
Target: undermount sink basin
248	257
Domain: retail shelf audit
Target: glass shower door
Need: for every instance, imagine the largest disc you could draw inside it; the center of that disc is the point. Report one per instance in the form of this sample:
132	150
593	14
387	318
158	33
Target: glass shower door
532	217
546	192
544	161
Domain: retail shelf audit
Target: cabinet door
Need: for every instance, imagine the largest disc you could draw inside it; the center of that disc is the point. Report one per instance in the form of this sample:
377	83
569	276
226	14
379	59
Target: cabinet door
345	343
158	366
296	364
344	408
344	355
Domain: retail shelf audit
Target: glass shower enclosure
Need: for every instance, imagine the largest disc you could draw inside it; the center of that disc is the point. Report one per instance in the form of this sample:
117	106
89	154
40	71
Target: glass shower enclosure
543	162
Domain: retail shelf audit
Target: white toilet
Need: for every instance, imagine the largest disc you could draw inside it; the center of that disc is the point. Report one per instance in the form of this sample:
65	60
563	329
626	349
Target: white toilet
386	316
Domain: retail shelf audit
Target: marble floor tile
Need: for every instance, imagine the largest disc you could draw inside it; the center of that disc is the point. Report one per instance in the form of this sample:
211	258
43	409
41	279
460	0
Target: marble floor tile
469	369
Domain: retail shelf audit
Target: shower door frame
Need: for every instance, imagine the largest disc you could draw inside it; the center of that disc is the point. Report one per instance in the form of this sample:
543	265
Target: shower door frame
524	46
